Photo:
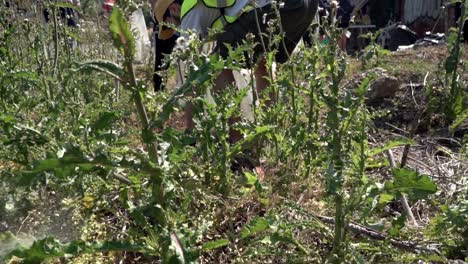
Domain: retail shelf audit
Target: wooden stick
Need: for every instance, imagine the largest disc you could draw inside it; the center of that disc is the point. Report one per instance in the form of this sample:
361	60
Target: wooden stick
363	230
359	229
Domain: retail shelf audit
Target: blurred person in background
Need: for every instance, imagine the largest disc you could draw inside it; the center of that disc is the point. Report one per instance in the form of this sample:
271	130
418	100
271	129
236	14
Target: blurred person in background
108	5
343	14
66	13
237	19
344	10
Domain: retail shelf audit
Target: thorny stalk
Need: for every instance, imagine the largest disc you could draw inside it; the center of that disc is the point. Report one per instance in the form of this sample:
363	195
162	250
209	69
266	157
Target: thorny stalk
456	52
56	38
403	199
152	147
335	170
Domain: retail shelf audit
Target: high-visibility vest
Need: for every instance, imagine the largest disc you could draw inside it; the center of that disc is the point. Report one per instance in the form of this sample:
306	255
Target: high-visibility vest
222	20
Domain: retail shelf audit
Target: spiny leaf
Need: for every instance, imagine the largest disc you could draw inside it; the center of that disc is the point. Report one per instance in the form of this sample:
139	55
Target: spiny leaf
254	227
215	244
385	198
390	145
462	117
65	166
451	62
288	238
180	256
196	78
397	225
364	86
105	121
259	131
458	99
104	66
26	75
407	181
71	34
121	34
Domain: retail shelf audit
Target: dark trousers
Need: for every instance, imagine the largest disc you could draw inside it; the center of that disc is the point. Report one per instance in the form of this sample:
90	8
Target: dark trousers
162	48
296	17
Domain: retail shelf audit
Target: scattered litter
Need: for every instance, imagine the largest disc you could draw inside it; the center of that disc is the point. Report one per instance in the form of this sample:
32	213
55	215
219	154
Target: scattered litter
429	39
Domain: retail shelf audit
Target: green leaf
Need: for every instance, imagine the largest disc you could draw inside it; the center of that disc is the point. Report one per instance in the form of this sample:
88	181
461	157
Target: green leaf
390	145
289	239
215	244
7	237
121	34
457	102
377	163
71	34
105	121
236	101
197	78
397	225
250	178
104	66
364	86
73	159
25	76
461	118
252	137
180	255
452	59
408	181
256	226
378	226
8	242
385	198
7	119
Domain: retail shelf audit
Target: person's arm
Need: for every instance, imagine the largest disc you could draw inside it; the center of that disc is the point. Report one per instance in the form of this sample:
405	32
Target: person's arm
197	20
153	4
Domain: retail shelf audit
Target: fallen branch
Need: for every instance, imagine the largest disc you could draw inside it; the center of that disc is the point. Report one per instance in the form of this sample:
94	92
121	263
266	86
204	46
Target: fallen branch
362	230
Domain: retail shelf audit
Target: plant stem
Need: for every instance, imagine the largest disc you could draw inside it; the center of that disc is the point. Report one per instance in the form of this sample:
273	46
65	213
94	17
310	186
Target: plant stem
403	200
454	87
152	147
56	39
337	254
356	228
335	175
143	116
293	96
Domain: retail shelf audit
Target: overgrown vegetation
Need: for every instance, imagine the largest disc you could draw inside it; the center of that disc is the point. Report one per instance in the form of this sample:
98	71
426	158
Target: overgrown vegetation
87	176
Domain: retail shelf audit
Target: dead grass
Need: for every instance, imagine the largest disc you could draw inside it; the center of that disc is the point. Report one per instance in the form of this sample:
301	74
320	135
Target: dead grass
411	65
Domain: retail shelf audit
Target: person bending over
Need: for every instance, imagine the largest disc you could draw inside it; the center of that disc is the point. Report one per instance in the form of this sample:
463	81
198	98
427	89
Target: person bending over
237	19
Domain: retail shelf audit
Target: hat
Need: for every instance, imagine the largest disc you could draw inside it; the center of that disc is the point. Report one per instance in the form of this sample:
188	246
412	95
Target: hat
159	8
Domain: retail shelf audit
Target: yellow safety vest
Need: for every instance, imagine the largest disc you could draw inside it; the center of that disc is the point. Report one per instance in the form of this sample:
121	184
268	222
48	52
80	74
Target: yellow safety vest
222	20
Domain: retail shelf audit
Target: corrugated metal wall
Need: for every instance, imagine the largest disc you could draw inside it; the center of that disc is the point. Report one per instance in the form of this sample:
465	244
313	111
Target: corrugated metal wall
414	9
